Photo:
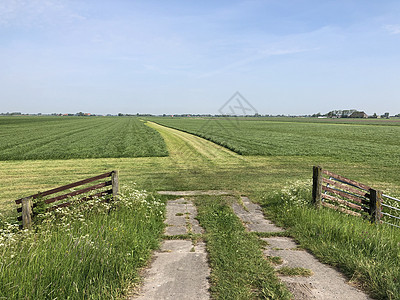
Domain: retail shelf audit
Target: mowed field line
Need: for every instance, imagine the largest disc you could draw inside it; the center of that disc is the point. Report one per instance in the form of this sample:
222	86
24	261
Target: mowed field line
185	147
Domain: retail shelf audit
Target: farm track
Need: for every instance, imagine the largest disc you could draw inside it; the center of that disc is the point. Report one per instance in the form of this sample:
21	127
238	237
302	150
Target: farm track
182	271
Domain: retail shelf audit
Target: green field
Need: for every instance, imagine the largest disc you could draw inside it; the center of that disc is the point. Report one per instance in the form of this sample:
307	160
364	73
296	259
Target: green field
286	150
350	140
278	152
32	138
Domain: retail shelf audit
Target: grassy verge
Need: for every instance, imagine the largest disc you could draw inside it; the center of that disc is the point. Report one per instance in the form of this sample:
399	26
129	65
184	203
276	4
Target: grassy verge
85	255
239	270
368	254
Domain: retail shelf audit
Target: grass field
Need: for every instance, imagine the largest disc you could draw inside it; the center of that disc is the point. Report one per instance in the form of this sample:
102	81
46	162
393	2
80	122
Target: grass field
371	142
33	138
195	163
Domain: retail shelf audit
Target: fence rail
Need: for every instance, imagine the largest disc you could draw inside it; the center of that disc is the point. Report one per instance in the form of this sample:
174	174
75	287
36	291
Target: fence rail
348	196
354	198
27	204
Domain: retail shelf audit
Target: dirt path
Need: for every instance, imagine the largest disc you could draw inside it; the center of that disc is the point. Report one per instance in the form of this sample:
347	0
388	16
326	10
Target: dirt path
179	269
324	283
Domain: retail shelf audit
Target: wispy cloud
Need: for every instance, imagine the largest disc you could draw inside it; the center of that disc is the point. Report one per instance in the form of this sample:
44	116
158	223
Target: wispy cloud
392	28
31	13
262	54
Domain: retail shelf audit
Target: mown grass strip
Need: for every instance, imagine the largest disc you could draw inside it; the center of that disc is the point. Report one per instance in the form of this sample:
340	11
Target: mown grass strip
238	268
369	255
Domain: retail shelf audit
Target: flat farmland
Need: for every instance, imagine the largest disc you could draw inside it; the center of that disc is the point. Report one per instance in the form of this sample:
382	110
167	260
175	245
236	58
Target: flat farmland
372	142
43	138
37	153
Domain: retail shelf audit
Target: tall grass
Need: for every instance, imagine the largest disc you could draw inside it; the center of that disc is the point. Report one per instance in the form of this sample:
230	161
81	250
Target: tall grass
368	254
92	254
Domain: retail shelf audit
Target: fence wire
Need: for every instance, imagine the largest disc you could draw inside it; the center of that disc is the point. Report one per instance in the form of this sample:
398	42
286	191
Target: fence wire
391	208
391	198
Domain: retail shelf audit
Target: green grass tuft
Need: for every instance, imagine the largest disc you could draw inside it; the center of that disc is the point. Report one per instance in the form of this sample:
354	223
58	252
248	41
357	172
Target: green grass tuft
271	234
276	260
297	271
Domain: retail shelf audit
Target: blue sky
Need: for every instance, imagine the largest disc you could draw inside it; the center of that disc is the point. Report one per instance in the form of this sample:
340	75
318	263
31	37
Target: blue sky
285	57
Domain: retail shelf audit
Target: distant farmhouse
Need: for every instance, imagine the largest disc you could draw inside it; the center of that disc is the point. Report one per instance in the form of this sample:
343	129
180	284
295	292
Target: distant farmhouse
347	113
359	114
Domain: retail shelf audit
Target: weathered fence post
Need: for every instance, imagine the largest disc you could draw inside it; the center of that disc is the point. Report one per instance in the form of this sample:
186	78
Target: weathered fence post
375	205
26	213
115	184
317	186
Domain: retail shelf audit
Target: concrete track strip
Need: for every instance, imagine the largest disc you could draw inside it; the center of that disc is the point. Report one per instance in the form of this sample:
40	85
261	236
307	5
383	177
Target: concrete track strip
179	269
253	218
325	282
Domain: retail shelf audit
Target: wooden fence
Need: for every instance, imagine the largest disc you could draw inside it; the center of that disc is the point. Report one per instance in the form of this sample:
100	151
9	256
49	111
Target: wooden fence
27	204
346	195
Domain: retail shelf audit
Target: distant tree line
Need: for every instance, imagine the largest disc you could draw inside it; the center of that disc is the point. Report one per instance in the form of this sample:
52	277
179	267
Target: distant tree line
351	113
346	113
